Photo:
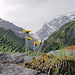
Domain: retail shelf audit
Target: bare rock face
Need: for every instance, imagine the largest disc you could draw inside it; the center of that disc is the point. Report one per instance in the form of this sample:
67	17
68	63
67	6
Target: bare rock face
13	69
19	58
14	58
7	68
13	64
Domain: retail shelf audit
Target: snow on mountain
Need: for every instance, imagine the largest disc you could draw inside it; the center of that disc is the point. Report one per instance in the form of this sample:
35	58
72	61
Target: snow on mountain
49	27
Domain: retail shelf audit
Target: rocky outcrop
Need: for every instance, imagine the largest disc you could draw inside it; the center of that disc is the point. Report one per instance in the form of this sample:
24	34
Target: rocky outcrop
13	69
64	52
19	58
14	58
13	64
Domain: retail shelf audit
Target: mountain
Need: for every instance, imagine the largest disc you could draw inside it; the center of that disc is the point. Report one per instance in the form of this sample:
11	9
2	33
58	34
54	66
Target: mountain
49	27
9	34
17	30
9	41
65	36
7	25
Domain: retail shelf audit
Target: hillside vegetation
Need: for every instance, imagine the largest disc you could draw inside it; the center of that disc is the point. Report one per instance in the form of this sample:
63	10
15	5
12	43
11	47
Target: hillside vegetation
9	41
63	37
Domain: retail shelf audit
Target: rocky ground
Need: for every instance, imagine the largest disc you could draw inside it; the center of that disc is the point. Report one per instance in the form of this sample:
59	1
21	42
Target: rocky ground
13	64
24	64
54	63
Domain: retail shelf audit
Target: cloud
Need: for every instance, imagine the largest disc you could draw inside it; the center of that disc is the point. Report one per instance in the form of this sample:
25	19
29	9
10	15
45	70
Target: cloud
32	14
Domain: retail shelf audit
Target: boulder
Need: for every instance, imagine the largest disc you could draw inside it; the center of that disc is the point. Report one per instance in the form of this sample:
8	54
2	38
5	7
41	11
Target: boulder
10	65
13	69
64	52
19	58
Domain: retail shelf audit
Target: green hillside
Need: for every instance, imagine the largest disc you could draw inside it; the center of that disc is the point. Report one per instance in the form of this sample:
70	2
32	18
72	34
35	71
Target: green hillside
9	41
10	35
63	37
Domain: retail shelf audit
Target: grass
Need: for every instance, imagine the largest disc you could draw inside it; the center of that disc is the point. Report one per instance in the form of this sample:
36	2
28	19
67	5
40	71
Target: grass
50	64
47	63
53	65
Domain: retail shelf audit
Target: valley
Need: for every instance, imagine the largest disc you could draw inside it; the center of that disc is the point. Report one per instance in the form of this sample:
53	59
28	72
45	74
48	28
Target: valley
22	54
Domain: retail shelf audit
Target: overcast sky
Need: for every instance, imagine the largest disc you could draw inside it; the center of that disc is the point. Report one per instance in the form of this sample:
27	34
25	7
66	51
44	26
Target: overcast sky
32	14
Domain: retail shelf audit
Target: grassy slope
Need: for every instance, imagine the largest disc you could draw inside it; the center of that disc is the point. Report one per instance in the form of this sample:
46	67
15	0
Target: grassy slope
10	41
63	37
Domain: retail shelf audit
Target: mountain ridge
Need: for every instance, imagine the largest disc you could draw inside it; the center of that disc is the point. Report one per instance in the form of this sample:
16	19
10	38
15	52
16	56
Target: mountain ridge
65	36
9	41
17	30
8	25
49	27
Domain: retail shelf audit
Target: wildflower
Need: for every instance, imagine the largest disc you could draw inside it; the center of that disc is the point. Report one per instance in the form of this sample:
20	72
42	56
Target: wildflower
27	31
36	43
28	38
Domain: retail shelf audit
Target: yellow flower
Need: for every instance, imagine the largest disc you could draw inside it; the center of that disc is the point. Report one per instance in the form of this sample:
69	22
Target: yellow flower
27	31
28	38
36	43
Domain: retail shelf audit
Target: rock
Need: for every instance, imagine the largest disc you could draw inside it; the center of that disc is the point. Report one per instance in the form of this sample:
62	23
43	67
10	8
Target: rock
70	52
4	57
19	58
13	69
14	58
9	65
64	52
57	52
